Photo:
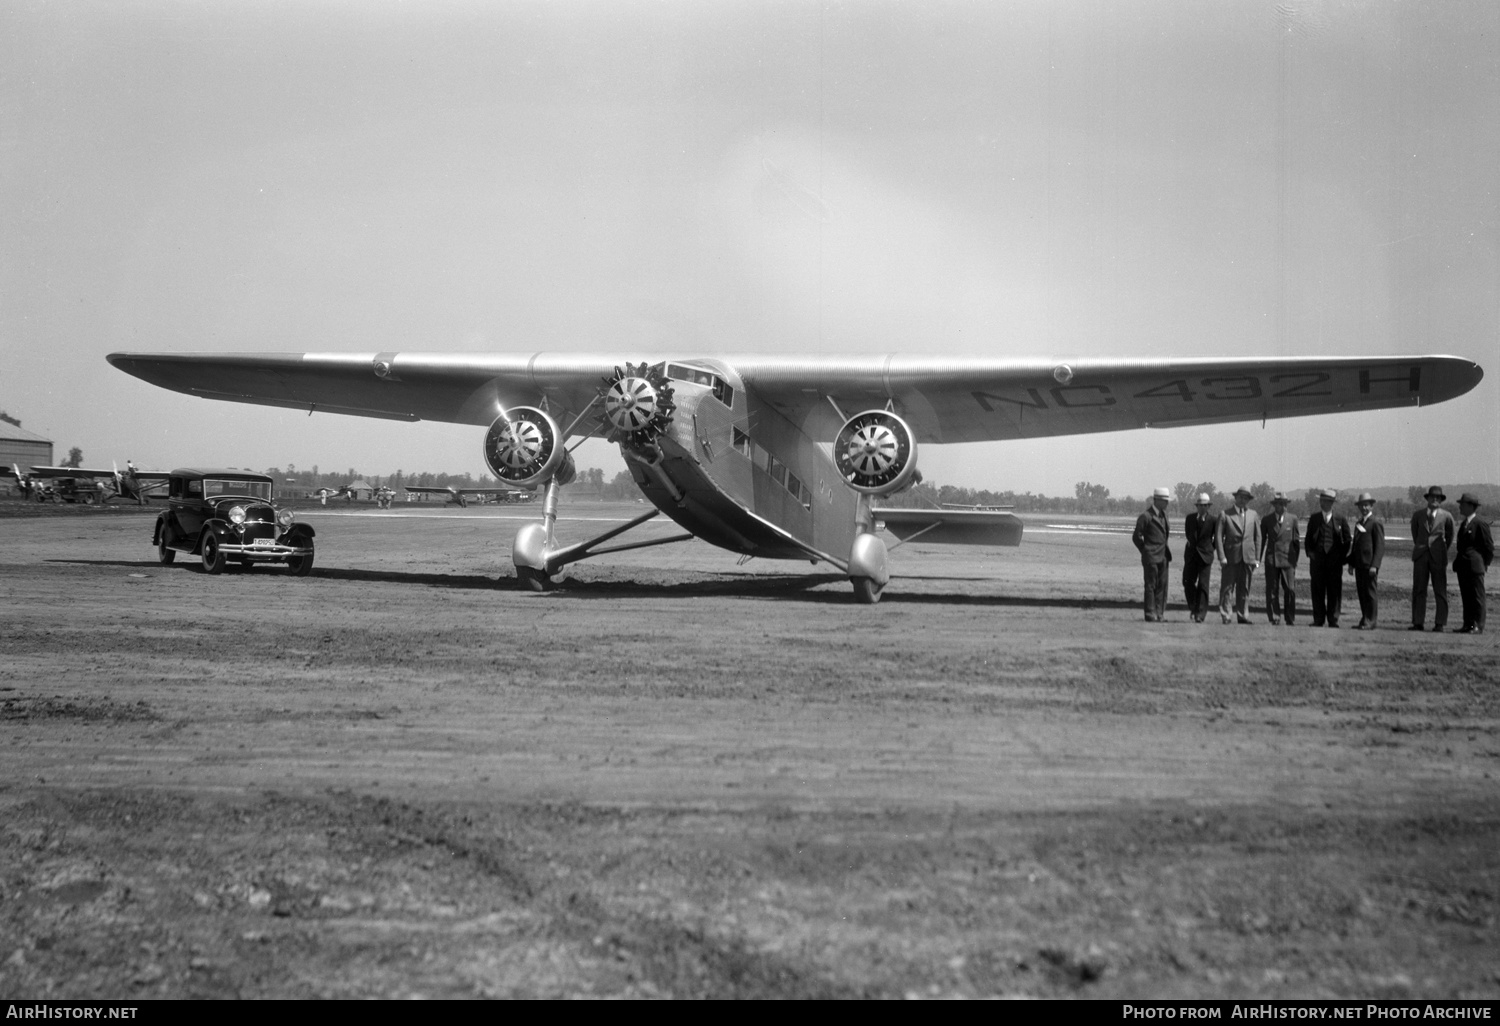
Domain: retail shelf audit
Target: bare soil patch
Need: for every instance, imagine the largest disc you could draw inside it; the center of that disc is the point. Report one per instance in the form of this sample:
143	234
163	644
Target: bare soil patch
404	776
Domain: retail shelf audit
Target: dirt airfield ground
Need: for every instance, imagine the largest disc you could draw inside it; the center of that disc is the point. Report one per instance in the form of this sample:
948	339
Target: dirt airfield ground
679	777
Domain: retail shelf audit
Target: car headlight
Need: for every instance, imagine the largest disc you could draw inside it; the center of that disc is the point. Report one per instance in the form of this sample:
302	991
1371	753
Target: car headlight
284	518
236	514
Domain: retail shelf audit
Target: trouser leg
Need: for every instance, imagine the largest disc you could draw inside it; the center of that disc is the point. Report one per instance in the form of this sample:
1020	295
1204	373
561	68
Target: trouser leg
1162	577
1419	592
1205	576
1334	592
1317	587
1289	594
1273	595
1439	573
1368	610
1243	579
1227	575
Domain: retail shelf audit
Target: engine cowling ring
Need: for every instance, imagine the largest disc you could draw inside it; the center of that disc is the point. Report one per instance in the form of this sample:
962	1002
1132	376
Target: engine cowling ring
637	404
524	447
875	452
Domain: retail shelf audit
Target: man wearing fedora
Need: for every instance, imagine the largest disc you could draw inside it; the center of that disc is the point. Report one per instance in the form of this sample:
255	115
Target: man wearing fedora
1280	545
1366	550
1237	544
1431	537
1326	543
1151	532
1475	548
1198	555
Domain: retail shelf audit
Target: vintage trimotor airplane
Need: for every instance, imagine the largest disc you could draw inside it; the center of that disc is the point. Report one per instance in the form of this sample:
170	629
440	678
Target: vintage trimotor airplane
786	457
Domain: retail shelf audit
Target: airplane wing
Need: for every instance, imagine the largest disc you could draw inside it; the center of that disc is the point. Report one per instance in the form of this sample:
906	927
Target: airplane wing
70	472
429	491
944	400
951	526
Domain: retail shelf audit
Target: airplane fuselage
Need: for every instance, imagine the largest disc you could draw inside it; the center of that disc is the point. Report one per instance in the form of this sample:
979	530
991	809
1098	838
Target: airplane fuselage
738	474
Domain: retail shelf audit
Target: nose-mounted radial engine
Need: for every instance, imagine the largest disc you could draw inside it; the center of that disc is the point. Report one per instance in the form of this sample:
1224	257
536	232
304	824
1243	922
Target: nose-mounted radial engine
876	454
638	408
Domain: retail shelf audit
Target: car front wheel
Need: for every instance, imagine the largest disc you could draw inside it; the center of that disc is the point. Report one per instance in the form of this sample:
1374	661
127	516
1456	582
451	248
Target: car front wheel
301	566
164	554
213	556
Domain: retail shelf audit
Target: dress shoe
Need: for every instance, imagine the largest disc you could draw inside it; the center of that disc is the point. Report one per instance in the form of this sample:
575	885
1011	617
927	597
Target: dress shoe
1438	629
1244	619
1466	630
1417	627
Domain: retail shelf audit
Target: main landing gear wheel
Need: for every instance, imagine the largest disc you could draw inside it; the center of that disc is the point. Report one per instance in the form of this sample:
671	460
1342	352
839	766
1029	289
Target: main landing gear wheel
866	591
533	579
165	555
213	556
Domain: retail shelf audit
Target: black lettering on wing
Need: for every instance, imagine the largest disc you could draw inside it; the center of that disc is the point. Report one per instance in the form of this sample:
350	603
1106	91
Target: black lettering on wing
984	399
1313	378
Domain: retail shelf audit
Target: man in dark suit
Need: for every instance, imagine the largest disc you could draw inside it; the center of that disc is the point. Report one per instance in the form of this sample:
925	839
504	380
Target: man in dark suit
1326	542
1151	532
1237	545
1198	556
1474	548
1280	544
1431	537
1366	550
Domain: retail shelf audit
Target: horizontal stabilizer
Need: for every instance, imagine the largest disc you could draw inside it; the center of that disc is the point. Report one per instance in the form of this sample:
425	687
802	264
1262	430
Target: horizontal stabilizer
952	526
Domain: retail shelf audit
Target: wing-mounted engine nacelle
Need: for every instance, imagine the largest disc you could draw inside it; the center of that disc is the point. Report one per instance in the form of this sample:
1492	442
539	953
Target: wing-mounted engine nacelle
876	452
524	448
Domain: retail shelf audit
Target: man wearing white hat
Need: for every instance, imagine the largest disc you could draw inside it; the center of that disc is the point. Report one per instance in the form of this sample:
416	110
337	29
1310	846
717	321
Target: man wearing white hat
1326	543
1366	550
1279	548
1432	532
1152	530
1237	544
1198	556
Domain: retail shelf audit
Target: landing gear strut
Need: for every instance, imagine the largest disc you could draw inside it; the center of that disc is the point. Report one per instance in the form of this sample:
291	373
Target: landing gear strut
536	553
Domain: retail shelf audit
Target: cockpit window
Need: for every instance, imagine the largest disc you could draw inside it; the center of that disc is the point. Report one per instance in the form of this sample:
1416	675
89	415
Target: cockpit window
214	487
721	389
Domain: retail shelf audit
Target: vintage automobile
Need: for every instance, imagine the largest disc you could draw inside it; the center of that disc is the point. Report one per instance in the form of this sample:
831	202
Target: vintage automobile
227	518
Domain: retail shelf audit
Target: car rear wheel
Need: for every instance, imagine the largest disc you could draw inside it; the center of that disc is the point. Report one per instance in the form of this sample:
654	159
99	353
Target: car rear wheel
164	554
213	556
301	566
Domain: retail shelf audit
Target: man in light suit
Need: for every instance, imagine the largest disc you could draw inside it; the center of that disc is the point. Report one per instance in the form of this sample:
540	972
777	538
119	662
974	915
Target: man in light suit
1475	549
1152	529
1237	544
1326	542
1431	537
1280	545
1198	556
1366	550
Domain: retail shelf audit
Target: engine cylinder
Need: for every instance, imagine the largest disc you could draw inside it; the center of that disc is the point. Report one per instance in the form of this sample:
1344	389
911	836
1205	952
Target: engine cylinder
875	452
524	447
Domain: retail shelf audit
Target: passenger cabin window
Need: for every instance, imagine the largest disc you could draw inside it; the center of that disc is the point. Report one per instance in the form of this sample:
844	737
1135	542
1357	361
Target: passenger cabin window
176	490
741	442
195	487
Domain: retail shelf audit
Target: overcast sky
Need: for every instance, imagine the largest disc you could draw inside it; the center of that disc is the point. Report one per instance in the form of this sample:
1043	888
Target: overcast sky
1068	178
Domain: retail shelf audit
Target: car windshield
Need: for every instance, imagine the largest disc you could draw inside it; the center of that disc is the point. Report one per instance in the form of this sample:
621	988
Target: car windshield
214	487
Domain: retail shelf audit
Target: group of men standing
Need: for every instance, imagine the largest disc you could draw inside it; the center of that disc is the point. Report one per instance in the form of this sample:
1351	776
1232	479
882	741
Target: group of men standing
1241	541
